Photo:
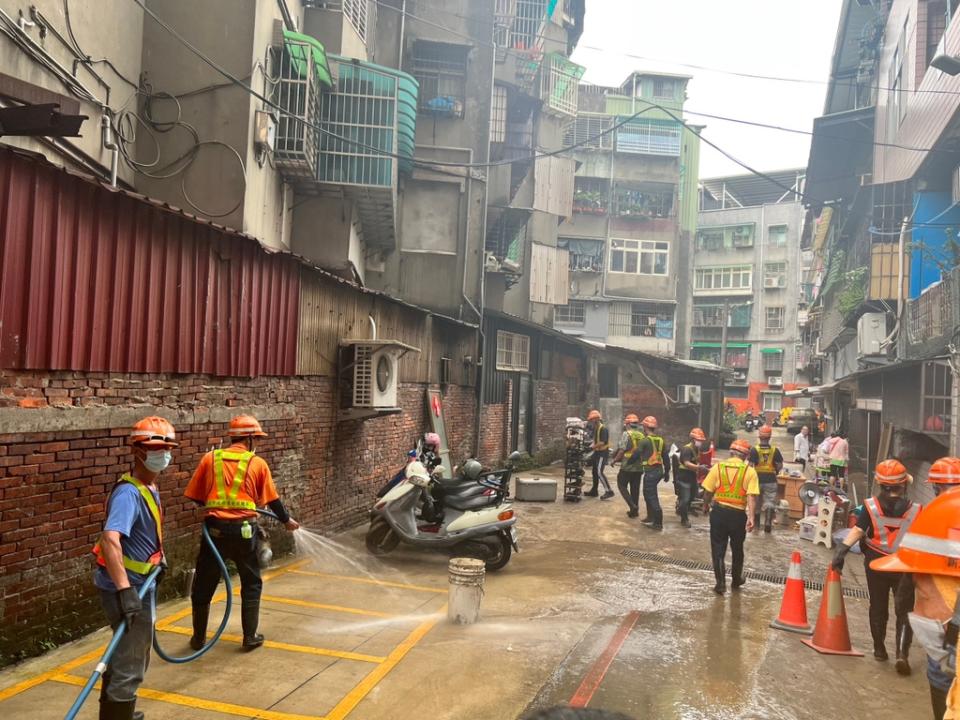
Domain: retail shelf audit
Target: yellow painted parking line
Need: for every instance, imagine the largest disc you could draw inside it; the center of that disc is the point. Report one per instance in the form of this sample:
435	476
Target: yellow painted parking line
43	677
323	606
355	696
371	581
306	649
200	703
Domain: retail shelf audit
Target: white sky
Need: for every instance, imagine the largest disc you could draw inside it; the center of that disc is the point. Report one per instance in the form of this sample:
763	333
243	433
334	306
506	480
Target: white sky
766	37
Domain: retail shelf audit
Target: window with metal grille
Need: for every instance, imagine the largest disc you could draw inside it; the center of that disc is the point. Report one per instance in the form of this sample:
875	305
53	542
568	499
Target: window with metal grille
642	202
517	23
608	378
560	84
649	137
356	12
586	255
777	235
651	320
441	70
708	315
663	88
772	361
639	257
937	403
573	391
724	238
774	318
498	115
513	351
573	313
590	196
775	275
731	277
590	131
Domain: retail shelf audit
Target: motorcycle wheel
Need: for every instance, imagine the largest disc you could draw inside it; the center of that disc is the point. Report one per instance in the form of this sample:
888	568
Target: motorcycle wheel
500	559
380	538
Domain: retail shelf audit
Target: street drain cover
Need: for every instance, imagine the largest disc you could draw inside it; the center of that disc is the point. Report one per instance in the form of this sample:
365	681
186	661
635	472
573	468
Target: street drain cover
762	577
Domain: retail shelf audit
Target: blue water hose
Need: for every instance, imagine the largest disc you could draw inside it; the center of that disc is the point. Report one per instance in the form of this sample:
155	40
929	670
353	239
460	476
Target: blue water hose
142	593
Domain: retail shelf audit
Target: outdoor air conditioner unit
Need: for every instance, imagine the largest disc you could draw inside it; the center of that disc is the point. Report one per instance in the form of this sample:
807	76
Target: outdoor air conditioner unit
775	381
871	332
369	376
774	282
688	394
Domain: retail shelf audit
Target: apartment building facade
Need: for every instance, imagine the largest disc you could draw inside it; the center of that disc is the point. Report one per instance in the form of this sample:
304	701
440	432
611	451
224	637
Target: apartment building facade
746	291
634	214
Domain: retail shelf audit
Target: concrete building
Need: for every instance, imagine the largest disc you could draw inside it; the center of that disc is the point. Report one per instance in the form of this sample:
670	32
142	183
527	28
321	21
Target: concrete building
746	286
634	213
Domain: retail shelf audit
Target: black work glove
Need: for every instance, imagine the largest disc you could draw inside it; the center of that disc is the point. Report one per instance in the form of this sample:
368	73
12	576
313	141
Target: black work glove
839	557
162	573
130	604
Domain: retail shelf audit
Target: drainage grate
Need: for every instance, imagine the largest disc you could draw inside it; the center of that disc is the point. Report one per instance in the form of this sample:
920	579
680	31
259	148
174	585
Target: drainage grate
762	577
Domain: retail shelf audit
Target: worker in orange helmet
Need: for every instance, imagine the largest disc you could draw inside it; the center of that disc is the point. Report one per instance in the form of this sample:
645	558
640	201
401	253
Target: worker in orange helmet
600	445
944	475
651	454
230	484
768	462
881	527
130	548
733	486
631	470
686	476
930	550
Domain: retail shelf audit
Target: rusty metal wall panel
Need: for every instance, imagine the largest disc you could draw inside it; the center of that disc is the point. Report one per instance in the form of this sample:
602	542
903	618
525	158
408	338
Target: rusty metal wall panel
100	280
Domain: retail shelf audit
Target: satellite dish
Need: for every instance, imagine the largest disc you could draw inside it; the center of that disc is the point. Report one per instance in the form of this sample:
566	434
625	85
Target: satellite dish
810	493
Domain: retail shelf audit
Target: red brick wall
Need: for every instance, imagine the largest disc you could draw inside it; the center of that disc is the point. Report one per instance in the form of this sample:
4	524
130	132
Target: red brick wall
674	422
496	430
550	415
55	477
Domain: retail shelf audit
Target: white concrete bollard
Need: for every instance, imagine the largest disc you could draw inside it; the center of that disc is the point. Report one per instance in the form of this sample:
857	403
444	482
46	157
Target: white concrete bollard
466	590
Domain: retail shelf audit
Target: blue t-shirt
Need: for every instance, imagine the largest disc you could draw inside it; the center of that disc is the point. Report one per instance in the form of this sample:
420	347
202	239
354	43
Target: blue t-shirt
129	515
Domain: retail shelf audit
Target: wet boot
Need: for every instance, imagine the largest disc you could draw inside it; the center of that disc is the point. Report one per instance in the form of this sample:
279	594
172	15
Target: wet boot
657	520
768	521
249	619
201	613
904	637
113	710
879	647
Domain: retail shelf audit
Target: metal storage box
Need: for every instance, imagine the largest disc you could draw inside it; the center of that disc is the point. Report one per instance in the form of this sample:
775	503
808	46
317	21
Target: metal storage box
536	489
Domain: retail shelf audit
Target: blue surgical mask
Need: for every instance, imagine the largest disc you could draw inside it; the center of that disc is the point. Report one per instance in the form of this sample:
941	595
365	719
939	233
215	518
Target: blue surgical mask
157	460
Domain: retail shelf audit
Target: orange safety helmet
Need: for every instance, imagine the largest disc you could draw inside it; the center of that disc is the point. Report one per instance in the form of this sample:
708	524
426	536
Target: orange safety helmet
698	434
244	426
765	431
892	472
153	432
945	471
631	419
593	415
740	446
649	421
931	544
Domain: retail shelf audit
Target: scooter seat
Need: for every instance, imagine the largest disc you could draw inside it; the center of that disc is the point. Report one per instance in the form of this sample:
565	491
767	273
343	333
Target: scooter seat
469	502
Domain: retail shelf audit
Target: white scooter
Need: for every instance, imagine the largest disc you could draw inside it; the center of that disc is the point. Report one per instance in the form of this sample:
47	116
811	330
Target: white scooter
469	514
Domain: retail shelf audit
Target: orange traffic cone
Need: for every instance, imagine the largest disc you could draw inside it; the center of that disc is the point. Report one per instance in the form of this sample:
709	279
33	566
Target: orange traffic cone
832	636
793	608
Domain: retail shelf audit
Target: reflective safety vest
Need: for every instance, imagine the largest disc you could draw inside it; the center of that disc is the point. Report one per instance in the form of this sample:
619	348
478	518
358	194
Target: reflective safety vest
732	492
888	531
137	566
596	438
631	460
656	459
232	497
765	460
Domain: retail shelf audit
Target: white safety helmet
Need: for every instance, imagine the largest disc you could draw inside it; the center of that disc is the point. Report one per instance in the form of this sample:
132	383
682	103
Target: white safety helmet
417	474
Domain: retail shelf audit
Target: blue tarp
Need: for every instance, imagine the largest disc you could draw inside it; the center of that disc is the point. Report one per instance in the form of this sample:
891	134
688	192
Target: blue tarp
928	244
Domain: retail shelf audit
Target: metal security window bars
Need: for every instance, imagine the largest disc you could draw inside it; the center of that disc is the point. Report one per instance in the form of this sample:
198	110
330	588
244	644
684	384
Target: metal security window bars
649	137
295	87
441	70
560	84
517	23
586	132
573	313
498	114
356	12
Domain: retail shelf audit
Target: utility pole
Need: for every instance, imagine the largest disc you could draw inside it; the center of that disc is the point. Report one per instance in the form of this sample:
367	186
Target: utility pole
723	333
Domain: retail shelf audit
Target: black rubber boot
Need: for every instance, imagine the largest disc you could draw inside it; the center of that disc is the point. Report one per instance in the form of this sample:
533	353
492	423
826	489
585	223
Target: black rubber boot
904	637
113	710
250	618
878	632
657	520
200	615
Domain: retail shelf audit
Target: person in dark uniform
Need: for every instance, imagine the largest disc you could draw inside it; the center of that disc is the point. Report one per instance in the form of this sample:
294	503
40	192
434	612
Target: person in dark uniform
650	451
880	529
600	445
631	469
685	477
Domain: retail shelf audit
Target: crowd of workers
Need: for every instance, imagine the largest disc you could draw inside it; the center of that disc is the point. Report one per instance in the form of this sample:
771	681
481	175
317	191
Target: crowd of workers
910	552
229	485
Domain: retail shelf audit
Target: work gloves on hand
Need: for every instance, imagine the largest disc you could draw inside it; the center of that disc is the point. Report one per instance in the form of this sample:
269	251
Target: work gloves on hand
839	557
129	603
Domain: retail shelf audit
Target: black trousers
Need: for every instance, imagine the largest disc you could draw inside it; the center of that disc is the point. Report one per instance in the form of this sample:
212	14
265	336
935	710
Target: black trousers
727	526
597	464
687	493
628	483
879	586
243	552
938	699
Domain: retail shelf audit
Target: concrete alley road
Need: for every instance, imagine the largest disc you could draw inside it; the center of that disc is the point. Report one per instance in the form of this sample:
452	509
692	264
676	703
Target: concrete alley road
576	615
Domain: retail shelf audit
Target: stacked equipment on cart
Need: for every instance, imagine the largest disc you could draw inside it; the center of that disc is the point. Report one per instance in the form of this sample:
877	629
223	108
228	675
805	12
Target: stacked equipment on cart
576	446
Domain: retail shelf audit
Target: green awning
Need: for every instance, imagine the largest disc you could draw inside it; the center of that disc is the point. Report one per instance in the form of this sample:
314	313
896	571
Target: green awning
295	42
771	350
730	345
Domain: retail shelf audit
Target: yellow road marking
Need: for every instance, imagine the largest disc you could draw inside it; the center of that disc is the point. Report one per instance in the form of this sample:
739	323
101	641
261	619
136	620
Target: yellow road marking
193	702
306	649
370	581
43	677
355	696
322	606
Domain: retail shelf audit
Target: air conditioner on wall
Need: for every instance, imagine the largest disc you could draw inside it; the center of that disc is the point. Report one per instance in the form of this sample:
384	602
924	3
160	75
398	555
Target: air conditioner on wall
871	332
774	282
369	377
688	394
775	381
739	376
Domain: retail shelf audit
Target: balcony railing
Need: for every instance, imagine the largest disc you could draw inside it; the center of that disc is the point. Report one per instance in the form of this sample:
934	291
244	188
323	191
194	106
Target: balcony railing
935	314
560	84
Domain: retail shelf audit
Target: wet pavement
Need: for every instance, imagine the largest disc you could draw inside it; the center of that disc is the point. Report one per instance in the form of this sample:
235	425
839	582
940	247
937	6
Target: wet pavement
572	618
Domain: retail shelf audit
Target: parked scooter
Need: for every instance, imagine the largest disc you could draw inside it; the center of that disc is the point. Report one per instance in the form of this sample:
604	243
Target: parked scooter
469	514
751	423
